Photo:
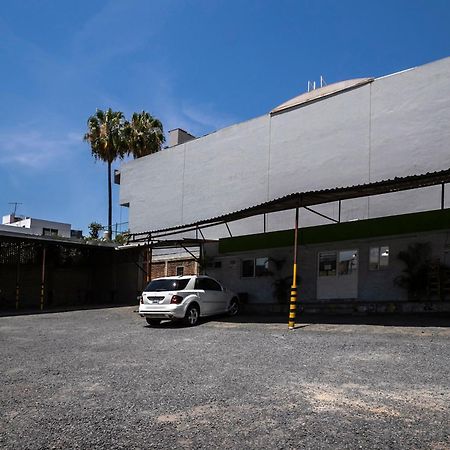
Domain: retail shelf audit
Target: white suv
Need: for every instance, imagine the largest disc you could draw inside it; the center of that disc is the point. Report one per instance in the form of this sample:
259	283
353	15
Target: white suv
186	298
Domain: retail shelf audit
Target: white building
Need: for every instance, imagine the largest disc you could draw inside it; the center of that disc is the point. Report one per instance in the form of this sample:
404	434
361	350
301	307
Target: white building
349	133
30	225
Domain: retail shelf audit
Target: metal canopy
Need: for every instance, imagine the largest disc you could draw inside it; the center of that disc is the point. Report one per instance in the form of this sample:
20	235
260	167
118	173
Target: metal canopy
305	199
176	243
6	235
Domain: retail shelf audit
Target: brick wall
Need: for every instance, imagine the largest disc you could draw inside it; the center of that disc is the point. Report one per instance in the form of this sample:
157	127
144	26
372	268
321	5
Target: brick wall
189	267
169	268
158	269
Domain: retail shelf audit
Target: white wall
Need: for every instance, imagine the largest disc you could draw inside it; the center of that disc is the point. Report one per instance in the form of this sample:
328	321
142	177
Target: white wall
372	285
36	226
394	126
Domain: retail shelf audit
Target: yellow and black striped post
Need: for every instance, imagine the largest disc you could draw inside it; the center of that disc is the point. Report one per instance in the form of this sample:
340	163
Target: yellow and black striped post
293	300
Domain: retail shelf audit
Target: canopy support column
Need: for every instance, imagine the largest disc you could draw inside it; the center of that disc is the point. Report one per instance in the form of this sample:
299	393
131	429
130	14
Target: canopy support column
44	251
293	301
149	261
18	275
202	259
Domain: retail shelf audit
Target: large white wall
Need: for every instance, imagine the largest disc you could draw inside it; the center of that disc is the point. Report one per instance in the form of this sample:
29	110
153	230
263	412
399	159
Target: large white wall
395	126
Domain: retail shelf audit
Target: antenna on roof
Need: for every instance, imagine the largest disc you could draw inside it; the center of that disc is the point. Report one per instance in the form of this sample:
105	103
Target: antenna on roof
312	84
15	206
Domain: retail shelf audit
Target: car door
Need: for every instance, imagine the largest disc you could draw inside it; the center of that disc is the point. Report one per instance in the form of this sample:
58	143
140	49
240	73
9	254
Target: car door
205	300
210	294
217	296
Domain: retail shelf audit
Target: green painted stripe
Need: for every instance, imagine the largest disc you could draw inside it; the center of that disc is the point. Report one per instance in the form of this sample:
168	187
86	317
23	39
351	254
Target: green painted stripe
383	226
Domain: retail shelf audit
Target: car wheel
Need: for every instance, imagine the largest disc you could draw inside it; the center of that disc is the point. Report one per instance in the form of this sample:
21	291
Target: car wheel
234	307
153	322
192	316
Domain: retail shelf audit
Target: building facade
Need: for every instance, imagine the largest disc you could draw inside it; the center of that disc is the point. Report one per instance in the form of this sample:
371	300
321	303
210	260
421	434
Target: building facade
39	227
349	133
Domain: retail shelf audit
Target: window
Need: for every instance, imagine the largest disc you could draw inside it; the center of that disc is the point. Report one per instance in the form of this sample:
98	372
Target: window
348	262
49	232
207	284
378	257
180	271
255	267
327	264
261	266
341	263
167	284
248	268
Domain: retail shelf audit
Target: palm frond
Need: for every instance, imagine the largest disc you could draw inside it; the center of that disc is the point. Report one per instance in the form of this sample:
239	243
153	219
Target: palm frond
144	134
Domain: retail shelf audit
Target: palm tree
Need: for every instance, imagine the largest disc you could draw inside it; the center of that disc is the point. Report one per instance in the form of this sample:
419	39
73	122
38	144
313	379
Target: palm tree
144	135
106	137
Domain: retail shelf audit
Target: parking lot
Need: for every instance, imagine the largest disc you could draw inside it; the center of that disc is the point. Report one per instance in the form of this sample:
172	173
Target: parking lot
104	379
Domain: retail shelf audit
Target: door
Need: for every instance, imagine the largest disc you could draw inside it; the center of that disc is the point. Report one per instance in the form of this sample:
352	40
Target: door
337	276
212	298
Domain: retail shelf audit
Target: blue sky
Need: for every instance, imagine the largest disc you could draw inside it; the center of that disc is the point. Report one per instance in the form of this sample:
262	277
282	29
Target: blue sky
198	65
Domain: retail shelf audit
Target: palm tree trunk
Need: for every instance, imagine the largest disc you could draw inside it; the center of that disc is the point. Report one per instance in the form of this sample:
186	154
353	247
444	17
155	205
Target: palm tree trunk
109	202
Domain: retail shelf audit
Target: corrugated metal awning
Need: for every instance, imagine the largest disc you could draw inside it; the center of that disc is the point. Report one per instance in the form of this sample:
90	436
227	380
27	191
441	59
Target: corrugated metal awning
309	198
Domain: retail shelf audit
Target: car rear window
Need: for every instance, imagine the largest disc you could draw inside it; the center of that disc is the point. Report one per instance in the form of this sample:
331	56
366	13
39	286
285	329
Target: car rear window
170	284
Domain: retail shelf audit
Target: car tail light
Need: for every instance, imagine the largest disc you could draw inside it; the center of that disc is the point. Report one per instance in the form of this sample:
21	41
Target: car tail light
177	299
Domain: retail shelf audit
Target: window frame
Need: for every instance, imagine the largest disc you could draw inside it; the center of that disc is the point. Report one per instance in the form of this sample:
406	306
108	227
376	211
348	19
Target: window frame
326	275
201	284
377	266
252	260
255	273
50	231
337	260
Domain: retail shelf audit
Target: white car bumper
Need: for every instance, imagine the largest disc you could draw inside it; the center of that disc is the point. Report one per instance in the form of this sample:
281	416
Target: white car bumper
162	311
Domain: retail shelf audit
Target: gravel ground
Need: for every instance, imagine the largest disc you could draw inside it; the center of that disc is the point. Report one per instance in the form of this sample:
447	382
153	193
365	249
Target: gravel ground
104	379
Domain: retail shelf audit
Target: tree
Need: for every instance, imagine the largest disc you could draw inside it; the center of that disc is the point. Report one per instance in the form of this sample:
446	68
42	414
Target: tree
94	229
107	139
144	135
415	275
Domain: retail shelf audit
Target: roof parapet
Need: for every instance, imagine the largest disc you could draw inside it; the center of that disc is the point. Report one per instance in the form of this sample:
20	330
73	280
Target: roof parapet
178	136
320	93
